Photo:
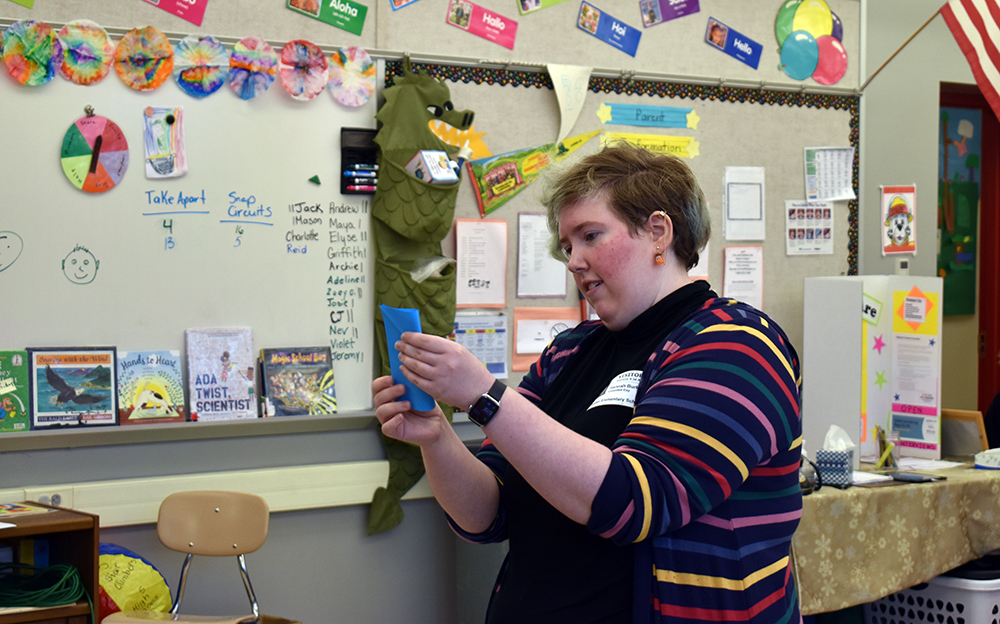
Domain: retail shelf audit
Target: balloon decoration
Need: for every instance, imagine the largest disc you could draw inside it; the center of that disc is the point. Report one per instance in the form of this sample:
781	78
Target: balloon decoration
832	62
799	55
810	38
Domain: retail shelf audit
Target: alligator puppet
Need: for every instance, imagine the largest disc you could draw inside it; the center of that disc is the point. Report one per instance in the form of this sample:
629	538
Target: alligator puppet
410	219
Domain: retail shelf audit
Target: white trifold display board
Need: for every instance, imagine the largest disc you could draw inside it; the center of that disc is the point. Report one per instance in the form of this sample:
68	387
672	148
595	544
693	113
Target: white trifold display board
871	355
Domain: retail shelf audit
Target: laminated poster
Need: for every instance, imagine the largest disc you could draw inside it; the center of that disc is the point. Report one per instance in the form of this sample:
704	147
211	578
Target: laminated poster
482	22
736	45
190	10
498	178
608	29
343	14
658	11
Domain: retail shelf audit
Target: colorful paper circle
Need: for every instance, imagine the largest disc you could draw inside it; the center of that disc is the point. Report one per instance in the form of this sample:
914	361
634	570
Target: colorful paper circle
352	76
144	58
87	52
783	22
304	69
94	154
832	63
814	17
32	52
799	55
201	65
252	67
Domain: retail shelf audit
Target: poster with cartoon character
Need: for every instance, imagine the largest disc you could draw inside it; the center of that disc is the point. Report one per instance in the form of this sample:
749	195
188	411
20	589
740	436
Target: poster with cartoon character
899	226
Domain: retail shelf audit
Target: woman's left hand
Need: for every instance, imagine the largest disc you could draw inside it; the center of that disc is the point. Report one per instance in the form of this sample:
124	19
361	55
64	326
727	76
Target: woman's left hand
443	368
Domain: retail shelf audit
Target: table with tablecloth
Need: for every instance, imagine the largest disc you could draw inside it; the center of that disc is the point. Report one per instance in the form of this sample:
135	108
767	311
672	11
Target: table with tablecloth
859	544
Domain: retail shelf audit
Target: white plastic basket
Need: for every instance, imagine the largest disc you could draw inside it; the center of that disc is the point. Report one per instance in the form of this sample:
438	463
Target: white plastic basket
942	600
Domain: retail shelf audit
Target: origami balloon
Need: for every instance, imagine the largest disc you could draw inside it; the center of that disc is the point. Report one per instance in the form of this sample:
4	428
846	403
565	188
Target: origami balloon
814	17
799	55
838	27
783	22
832	63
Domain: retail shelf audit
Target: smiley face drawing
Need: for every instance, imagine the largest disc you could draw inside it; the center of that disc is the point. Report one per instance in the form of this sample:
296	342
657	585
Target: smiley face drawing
11	246
80	266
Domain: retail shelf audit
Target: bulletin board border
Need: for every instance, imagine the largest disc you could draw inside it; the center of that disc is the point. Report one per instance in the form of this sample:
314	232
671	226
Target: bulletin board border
663	89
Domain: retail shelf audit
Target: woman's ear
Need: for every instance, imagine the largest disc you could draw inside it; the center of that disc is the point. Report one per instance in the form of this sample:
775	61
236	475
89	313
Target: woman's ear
662	229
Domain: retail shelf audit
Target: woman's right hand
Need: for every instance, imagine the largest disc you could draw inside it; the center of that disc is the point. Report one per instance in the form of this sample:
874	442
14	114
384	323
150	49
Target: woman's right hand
401	422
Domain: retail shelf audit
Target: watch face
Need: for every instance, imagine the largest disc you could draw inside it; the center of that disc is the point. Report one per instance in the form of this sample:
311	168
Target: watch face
484	410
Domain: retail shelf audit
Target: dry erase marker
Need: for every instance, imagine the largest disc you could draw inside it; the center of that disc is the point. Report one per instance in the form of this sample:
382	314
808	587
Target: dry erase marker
364	166
358	187
360	174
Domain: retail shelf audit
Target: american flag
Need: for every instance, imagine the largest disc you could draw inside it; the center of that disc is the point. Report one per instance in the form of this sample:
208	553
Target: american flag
974	23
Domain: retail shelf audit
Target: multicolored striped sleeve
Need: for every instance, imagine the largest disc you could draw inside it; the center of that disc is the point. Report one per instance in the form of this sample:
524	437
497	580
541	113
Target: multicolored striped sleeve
715	432
532	387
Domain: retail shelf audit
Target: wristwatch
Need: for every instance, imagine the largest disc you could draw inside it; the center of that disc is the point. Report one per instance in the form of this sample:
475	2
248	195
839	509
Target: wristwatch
486	407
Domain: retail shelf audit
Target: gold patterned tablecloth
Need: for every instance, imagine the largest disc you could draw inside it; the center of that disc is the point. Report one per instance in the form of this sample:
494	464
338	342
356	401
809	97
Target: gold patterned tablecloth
857	545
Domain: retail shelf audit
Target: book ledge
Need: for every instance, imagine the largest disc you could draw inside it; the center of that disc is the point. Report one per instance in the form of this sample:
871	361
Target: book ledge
74	437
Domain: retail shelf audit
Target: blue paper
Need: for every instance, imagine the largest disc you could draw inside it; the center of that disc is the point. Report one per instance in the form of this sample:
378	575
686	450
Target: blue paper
397	321
608	29
736	45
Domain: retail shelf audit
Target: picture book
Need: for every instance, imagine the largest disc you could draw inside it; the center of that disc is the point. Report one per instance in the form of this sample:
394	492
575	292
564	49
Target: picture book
73	386
150	387
221	367
298	381
14	391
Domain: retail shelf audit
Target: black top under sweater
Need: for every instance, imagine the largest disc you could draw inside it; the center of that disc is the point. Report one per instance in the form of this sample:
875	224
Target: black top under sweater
556	570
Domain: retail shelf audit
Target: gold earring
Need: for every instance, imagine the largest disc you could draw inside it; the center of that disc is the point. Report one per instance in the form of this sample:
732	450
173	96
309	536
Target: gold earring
658	258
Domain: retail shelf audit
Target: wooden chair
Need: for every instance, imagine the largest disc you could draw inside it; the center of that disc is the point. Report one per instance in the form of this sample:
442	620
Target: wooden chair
213	523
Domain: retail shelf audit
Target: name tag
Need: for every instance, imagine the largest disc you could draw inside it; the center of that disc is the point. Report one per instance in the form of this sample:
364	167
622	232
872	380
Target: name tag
608	29
621	391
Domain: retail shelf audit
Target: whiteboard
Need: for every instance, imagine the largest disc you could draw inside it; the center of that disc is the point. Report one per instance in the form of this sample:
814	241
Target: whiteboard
234	256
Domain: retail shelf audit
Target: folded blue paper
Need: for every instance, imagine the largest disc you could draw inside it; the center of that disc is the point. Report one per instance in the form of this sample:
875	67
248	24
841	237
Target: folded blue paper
397	321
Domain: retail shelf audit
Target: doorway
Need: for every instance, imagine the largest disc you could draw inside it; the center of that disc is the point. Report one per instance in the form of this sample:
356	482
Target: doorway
987	345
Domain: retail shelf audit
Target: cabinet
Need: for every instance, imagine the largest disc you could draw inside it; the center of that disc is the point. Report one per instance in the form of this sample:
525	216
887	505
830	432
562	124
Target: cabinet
74	539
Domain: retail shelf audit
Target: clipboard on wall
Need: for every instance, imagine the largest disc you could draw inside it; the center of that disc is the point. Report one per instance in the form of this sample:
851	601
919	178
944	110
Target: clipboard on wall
962	433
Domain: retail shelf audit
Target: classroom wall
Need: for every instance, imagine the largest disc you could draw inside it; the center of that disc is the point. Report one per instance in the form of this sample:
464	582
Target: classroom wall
319	565
899	145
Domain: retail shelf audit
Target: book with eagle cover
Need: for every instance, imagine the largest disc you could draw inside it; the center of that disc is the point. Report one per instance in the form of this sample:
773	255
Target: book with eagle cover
150	388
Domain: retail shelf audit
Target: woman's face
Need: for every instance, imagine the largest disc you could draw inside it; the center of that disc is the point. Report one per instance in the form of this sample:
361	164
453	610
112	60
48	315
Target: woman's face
612	268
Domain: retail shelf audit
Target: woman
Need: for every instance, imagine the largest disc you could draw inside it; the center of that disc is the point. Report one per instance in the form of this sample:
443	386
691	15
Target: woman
646	469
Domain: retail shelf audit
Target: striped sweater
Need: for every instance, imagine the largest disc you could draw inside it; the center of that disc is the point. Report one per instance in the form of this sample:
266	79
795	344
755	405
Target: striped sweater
704	479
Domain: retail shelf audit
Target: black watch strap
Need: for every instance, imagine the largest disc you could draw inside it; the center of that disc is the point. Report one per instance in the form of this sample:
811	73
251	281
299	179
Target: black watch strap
486	406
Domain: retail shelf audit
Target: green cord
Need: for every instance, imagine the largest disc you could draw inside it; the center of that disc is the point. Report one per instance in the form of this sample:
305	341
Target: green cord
51	586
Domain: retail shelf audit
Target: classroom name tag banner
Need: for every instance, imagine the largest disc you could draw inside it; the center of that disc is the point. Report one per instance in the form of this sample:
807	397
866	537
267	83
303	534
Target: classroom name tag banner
735	44
190	10
685	147
608	29
658	11
648	116
343	14
482	23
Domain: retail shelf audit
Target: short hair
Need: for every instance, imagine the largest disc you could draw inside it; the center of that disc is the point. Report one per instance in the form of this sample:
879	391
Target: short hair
635	182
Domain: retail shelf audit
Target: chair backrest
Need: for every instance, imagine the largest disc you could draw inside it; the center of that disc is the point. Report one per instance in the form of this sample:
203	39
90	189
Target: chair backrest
213	522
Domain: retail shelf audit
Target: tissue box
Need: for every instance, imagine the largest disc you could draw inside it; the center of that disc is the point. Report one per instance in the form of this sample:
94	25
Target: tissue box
433	167
835	467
